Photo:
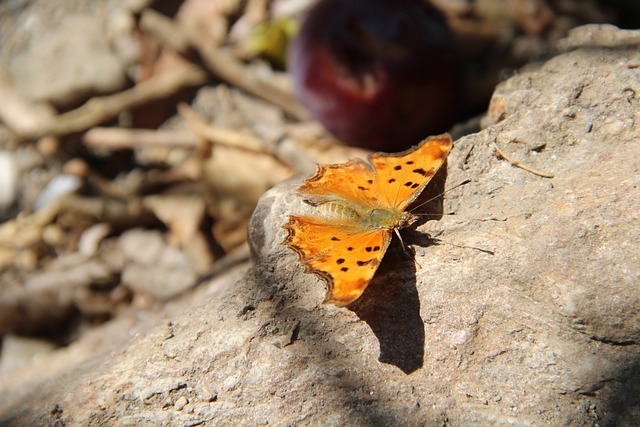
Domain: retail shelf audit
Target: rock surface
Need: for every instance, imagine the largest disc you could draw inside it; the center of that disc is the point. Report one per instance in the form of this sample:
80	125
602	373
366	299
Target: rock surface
544	332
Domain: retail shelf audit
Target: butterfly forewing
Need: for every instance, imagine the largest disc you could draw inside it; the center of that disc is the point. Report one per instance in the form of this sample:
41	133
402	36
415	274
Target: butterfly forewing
349	257
353	188
401	177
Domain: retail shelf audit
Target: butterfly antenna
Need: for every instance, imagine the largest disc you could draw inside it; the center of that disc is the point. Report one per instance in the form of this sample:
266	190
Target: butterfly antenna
465	182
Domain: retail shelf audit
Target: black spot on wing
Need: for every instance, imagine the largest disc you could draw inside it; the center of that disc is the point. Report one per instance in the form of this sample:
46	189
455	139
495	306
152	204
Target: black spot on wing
411	184
340	261
391	181
420	171
398	167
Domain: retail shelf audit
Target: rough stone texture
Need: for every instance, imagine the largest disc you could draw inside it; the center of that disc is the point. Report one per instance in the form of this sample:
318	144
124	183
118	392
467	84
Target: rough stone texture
56	68
544	332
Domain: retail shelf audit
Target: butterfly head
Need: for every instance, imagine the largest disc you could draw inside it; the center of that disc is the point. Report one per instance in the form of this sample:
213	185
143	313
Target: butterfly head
382	218
406	219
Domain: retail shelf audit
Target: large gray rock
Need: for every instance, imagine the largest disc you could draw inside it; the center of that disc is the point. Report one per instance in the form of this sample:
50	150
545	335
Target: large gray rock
544	332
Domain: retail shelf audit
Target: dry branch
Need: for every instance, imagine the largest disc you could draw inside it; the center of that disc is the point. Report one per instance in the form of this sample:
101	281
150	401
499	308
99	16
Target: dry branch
222	63
229	137
119	138
521	166
100	109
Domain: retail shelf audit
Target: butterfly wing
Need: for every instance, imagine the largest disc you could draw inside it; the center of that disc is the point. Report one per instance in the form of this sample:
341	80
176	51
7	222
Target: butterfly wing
346	257
401	177
350	184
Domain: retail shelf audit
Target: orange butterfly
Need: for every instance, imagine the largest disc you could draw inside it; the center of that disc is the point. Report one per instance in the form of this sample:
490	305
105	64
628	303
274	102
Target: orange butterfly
359	205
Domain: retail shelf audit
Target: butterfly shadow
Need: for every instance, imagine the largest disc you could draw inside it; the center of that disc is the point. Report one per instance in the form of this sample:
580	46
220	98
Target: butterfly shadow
390	305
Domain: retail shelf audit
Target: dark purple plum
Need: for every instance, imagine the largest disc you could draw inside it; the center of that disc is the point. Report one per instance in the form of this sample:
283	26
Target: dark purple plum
379	74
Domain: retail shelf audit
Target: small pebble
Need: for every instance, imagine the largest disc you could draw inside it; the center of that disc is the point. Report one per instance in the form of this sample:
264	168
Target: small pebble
60	185
8	180
180	403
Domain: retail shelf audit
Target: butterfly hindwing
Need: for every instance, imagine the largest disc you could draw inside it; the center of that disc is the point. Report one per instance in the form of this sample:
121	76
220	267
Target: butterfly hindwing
345	257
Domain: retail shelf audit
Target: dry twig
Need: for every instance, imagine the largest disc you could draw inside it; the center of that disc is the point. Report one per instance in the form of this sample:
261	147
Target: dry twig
229	137
163	29
119	138
521	166
100	109
224	64
238	140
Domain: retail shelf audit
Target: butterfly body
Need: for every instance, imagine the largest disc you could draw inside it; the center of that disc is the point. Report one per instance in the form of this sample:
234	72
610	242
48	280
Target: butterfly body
372	219
359	205
386	219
